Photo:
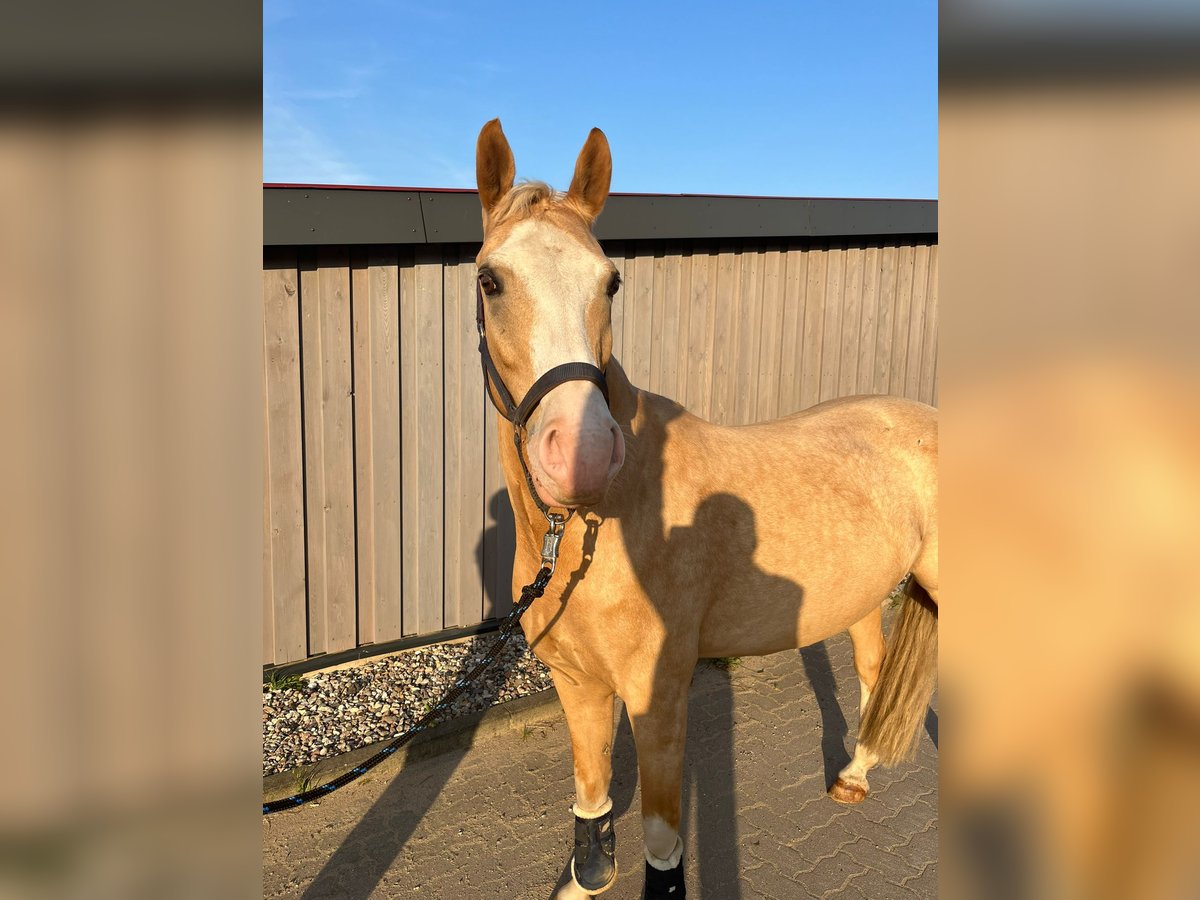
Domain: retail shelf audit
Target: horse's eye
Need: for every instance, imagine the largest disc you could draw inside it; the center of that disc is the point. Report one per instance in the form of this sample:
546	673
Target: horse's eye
488	283
614	284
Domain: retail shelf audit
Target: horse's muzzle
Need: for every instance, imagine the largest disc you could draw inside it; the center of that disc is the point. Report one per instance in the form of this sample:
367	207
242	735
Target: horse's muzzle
577	451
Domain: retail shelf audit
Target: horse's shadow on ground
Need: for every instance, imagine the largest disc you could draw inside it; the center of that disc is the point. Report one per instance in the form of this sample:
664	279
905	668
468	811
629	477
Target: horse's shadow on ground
351	873
834	728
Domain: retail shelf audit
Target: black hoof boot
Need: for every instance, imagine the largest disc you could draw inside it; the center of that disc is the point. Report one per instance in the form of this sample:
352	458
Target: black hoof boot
666	885
594	862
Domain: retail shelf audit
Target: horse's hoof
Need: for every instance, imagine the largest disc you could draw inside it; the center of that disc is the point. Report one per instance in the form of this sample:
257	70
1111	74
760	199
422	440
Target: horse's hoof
845	792
598	884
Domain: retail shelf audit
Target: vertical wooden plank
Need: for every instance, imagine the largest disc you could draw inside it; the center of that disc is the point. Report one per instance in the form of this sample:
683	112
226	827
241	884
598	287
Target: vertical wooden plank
409	426
452	461
673	313
888	259
340	537
658	324
329	440
725	335
929	348
639	339
312	384
463	446
831	341
852	302
868	325
710	328
377	420
791	330
749	332
683	364
701	317
343	611
364	449
904	278
268	585
814	322
771	335
916	323
284	478
422	418
499	538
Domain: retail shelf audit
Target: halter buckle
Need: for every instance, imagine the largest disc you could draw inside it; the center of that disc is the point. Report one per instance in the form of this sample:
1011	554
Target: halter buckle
553	538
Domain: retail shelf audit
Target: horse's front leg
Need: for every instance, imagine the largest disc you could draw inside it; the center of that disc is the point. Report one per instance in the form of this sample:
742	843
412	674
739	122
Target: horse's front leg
588	705
659	720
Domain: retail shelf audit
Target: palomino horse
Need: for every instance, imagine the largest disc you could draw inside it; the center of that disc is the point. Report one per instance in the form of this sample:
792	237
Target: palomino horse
690	539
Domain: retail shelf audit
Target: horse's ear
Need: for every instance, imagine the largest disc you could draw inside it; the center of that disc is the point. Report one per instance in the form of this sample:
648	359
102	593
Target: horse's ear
495	168
593	174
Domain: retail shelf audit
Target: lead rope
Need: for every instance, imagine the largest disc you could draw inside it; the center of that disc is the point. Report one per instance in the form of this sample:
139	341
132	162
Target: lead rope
529	593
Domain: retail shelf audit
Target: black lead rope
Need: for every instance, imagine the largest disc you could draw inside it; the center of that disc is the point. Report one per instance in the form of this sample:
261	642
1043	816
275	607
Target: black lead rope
529	593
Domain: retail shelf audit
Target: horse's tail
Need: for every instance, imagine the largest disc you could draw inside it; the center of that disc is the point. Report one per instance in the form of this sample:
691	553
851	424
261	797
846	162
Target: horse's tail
896	708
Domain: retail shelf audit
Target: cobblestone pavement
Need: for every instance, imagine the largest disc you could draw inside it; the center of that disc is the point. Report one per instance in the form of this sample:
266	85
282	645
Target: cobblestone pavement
765	739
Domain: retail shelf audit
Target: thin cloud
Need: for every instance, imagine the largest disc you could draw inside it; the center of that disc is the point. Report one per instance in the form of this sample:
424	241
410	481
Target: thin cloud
451	173
294	151
354	82
318	95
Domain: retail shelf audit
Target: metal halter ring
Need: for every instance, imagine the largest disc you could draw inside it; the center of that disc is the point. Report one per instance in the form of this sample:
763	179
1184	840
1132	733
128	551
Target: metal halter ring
553	537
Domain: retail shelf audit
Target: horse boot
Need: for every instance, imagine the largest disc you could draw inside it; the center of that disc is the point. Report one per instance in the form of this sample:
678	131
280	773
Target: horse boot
665	884
594	862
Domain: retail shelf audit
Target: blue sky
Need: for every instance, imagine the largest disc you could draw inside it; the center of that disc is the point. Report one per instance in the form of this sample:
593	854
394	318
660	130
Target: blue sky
822	99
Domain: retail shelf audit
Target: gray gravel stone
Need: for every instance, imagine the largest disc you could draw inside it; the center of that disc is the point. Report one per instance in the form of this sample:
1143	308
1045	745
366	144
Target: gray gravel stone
339	711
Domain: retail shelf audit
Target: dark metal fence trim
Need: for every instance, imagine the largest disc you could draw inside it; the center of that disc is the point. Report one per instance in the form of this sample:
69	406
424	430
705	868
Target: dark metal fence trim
294	216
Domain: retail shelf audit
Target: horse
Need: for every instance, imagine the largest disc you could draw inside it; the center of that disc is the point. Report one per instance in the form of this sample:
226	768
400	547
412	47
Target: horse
684	539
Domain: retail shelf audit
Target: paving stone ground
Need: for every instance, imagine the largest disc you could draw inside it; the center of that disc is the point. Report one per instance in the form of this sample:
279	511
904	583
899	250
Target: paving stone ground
765	739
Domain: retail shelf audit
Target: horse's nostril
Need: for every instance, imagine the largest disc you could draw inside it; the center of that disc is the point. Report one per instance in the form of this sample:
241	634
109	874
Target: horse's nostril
618	448
552	451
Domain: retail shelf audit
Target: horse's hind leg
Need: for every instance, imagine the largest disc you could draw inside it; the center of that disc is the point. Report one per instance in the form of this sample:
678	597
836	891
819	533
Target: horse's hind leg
588	705
659	720
896	707
867	637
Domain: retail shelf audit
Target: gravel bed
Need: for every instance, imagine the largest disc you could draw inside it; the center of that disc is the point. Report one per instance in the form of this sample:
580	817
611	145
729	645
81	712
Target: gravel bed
335	712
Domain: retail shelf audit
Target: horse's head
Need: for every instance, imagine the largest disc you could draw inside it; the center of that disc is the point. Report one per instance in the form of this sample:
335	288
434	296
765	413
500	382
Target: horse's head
547	294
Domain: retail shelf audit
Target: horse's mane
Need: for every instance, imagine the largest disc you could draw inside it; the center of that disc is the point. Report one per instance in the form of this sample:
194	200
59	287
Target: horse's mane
527	199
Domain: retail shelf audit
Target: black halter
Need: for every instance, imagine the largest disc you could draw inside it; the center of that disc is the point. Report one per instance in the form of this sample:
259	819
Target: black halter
518	413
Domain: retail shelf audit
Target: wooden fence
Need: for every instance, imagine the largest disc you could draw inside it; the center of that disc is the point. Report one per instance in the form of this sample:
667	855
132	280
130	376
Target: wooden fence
386	514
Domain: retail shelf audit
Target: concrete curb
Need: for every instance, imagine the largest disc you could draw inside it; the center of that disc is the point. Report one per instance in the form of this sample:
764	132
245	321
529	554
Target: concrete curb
457	734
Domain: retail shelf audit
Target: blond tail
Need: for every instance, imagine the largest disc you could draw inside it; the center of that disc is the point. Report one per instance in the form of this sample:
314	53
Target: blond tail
894	713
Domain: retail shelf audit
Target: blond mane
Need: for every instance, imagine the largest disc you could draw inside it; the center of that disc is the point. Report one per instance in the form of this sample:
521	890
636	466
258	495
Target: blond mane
528	199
